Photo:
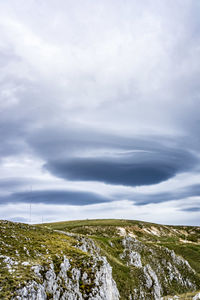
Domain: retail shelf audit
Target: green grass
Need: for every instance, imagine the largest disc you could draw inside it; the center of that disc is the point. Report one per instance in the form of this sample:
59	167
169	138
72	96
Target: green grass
37	246
106	235
105	231
191	252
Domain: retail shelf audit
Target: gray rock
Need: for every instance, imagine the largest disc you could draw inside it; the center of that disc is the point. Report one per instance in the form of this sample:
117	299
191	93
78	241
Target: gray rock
61	286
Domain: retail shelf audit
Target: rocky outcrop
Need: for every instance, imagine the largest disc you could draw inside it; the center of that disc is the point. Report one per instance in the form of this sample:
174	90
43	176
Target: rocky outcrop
196	297
72	283
160	269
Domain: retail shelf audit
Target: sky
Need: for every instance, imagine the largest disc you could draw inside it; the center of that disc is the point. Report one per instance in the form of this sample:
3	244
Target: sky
100	110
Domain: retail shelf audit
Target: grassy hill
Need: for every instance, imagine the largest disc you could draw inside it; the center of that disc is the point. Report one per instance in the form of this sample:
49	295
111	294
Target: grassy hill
148	261
108	234
184	240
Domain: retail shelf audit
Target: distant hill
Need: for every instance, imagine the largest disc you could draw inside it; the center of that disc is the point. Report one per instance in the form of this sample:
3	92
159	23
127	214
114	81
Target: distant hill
99	259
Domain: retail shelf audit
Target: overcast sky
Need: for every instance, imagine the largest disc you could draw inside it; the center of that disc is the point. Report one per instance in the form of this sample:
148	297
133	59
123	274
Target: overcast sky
100	110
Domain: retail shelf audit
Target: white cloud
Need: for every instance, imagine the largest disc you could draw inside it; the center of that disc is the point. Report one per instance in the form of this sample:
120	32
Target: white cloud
161	213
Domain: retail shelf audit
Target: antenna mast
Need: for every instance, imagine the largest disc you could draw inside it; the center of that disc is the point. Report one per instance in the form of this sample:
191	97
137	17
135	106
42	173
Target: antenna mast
31	205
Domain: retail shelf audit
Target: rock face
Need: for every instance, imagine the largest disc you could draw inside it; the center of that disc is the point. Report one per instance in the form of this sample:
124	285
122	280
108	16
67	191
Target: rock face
71	283
157	273
196	297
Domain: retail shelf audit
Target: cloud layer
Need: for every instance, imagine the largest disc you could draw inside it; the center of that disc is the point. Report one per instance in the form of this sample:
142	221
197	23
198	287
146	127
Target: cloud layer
100	108
55	197
129	169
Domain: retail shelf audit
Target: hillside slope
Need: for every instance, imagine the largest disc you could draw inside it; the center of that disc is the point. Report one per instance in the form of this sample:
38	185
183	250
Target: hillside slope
99	259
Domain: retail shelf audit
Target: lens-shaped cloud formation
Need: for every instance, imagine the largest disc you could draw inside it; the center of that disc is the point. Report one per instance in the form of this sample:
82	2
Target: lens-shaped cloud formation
141	199
129	169
55	197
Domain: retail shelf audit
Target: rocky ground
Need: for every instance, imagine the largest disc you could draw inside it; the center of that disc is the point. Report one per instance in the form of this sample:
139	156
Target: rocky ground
99	259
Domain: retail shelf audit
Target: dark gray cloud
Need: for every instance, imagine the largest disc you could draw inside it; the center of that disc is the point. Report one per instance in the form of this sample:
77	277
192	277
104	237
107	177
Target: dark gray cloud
129	169
55	197
177	194
191	209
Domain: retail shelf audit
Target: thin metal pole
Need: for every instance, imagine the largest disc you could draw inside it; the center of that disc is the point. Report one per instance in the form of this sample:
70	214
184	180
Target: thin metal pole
31	205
